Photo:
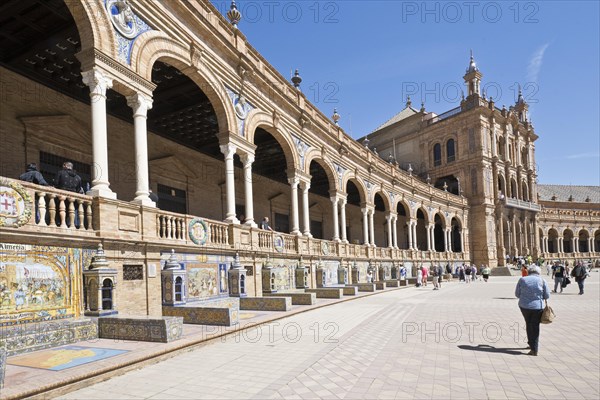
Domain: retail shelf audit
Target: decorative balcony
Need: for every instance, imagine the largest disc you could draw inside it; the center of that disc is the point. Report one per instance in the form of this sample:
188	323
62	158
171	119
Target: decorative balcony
522	204
62	218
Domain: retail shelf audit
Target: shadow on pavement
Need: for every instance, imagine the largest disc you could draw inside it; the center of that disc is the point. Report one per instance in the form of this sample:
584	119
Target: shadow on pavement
491	349
504	298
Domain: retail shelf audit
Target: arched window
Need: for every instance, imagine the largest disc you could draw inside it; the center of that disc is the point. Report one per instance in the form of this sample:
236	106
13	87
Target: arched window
450	151
107	294
178	289
437	155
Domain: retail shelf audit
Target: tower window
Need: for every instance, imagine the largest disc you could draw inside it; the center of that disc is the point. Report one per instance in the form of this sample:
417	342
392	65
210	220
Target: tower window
450	150
437	155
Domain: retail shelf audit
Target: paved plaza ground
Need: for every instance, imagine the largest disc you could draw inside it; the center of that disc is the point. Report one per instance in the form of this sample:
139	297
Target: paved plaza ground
465	341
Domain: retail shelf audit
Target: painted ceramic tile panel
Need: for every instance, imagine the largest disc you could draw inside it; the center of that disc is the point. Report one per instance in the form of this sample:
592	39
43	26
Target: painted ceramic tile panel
40	282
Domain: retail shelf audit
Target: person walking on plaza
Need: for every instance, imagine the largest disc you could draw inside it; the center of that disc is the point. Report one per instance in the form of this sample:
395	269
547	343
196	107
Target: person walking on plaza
435	277
558	273
580	273
425	275
474	273
468	273
485	272
33	175
419	276
461	273
523	270
531	291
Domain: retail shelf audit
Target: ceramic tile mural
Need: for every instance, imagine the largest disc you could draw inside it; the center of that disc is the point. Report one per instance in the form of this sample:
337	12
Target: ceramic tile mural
40	282
284	273
331	272
362	267
206	274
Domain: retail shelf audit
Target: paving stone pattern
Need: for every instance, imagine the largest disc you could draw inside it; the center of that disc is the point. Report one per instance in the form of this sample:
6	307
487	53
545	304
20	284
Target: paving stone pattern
465	341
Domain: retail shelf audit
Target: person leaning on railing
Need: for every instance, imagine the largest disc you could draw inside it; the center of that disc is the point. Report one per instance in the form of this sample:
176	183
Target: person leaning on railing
33	175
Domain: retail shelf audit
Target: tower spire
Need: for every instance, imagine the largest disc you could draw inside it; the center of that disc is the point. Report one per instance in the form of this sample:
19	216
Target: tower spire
473	78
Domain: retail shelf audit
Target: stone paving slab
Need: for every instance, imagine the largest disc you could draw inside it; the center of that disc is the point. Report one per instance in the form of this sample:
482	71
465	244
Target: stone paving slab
23	381
465	341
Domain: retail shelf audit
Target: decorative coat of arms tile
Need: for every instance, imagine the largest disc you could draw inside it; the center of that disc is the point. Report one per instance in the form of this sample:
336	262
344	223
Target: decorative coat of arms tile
15	204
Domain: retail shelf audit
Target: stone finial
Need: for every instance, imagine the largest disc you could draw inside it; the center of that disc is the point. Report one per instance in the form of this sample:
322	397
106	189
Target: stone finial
297	79
408	102
428	179
445	186
336	117
99	260
422	107
268	263
172	263
472	64
366	142
410	169
234	15
236	261
390	158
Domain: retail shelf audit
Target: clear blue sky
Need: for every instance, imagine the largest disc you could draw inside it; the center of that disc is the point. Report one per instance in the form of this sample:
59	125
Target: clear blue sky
363	57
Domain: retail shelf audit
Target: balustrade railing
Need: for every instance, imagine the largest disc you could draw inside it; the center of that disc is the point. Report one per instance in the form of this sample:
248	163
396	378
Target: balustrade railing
61	209
171	226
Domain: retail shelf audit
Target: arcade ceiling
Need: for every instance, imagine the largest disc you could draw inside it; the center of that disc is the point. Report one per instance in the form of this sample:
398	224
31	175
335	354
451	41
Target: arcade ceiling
39	40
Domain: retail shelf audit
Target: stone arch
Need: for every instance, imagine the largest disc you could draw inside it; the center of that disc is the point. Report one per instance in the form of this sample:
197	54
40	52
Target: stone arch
583	236
501	186
525	191
456	227
260	119
94	26
153	46
328	167
384	196
514	188
568	237
362	190
552	240
413	213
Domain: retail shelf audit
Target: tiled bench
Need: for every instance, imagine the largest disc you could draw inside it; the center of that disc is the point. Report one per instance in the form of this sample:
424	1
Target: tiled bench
143	329
217	316
379	285
365	287
298	299
392	283
266	303
35	336
327	293
350	290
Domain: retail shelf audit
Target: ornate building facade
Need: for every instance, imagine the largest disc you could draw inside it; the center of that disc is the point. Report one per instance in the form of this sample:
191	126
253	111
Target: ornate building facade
170	98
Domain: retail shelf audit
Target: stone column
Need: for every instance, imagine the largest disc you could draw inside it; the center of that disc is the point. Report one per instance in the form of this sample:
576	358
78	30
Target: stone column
228	151
372	226
294	181
448	236
99	84
515	244
388	219
336	224
395	231
592	244
430	238
247	161
343	203
414	233
409	231
365	225
560	244
140	105
305	186
575	244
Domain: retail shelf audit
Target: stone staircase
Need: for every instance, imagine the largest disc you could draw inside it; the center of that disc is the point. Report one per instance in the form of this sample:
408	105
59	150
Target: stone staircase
502	271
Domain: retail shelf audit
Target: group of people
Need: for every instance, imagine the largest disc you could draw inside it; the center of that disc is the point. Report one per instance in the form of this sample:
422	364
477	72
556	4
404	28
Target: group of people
561	274
65	179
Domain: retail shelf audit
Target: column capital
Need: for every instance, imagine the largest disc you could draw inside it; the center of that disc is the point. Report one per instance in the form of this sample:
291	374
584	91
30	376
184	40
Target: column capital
294	181
228	150
247	159
98	82
140	103
334	199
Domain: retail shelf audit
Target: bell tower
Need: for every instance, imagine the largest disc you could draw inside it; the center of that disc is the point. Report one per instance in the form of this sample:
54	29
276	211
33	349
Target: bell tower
473	78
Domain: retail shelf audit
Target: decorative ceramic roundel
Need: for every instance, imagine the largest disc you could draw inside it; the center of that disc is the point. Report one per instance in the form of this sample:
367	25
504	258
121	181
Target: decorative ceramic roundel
122	18
15	204
240	108
278	243
198	231
325	248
